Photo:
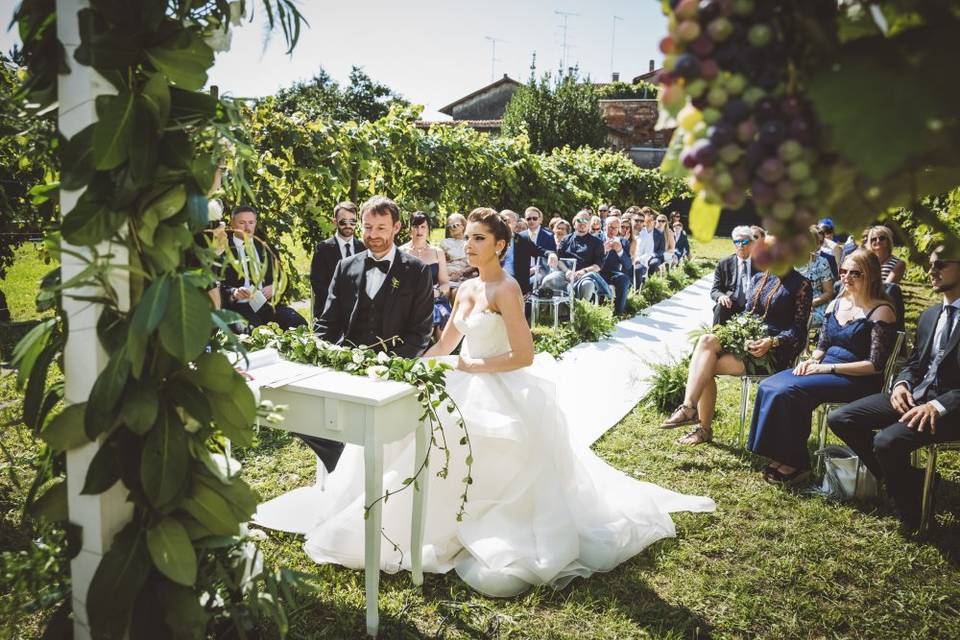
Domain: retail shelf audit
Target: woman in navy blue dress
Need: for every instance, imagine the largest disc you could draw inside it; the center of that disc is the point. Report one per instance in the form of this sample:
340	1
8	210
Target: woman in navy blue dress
784	305
856	340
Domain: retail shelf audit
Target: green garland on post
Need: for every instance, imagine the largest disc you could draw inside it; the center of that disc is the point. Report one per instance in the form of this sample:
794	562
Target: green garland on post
168	397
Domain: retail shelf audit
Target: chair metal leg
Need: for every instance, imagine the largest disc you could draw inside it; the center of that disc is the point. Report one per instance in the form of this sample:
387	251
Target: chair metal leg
927	505
744	398
822	428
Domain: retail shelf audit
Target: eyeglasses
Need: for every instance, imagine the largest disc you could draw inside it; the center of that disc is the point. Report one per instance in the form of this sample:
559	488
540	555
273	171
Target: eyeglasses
454	225
742	242
940	265
346	223
531	218
854	274
878	239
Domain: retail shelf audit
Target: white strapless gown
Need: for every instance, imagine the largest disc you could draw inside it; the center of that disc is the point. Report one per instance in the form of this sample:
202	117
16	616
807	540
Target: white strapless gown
541	510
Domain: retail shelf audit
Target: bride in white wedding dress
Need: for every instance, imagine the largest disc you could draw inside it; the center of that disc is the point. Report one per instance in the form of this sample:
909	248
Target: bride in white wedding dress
541	509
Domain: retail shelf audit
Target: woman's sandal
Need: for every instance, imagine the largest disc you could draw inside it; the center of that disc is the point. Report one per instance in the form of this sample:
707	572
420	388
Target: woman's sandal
673	422
788	479
698	435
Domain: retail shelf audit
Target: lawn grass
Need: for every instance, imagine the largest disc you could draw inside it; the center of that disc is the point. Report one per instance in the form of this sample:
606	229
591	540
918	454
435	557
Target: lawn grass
22	281
767	564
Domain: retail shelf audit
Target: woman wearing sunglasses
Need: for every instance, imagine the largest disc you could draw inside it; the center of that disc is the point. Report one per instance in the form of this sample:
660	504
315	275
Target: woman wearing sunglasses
454	248
880	242
857	338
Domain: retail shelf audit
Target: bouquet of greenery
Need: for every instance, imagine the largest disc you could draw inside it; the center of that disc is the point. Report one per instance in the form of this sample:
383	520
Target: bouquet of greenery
736	334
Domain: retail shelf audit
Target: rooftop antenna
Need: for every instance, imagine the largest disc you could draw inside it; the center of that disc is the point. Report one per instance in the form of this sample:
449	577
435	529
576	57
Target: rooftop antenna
533	68
613	41
493	55
566	15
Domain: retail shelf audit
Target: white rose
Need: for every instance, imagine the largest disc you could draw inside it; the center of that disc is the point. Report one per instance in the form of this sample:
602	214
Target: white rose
377	371
383	357
214	210
357	357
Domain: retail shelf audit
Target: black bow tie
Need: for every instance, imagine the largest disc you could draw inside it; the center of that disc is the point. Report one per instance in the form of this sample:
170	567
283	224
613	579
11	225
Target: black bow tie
372	263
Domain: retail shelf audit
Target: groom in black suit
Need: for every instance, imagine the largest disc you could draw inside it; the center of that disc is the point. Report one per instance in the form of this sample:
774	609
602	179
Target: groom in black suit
922	408
380	297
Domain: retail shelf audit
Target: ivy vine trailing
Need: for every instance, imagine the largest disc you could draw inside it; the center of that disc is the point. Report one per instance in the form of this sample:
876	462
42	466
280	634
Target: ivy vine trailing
168	396
427	376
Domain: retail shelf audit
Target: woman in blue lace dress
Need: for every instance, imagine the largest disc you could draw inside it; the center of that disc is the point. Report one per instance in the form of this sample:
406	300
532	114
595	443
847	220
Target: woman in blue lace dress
857	337
784	305
420	248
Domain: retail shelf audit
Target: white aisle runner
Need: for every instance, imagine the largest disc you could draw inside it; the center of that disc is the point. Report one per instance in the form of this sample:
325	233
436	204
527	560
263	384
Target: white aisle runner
601	382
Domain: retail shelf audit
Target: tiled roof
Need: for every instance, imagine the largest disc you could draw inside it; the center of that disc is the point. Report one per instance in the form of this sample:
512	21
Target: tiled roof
504	80
476	124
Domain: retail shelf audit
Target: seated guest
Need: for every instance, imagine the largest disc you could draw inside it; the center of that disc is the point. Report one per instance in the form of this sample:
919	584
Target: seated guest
731	278
851	244
682	242
536	232
922	408
454	250
659	240
829	249
596	227
561	229
552	277
630	239
644	254
519	253
880	242
239	289
617	268
758	233
588	252
817	271
419	247
343	244
669	245
784	306
847	364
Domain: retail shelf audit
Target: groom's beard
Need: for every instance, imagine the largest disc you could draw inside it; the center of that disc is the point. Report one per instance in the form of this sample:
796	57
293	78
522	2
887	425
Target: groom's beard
378	246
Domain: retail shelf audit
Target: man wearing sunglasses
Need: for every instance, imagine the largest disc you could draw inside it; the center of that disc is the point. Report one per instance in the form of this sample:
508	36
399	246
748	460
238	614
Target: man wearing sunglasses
731	279
343	244
924	404
536	232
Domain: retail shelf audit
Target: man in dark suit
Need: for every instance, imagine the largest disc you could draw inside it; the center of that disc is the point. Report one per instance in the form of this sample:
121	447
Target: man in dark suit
617	267
239	290
381	298
343	244
536	232
682	248
923	406
731	279
520	253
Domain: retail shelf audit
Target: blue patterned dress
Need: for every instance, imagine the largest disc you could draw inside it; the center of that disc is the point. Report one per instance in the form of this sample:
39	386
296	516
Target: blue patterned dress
441	306
785	402
784	305
816	271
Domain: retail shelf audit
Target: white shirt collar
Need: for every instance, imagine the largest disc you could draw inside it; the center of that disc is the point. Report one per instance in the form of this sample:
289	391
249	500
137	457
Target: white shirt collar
344	241
955	305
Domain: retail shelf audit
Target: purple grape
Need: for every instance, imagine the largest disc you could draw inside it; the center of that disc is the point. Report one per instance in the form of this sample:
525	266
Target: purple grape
687	66
770	170
709	10
740	175
800	130
746	131
700	103
688	158
702	46
768	79
791	106
721	134
756	153
763	193
772	133
725	55
736	110
704	152
765	109
787	190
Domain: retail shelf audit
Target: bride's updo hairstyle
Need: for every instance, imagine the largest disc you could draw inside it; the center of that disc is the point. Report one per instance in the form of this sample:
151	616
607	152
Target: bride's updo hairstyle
495	224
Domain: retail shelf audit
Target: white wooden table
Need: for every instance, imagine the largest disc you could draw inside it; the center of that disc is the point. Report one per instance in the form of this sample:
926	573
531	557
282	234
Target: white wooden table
354	410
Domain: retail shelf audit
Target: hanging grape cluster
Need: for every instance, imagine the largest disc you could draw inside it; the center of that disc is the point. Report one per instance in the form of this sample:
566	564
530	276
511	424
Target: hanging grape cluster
745	127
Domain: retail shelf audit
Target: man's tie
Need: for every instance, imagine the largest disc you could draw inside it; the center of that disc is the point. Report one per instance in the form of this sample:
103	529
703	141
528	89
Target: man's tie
742	284
348	250
371	263
931	379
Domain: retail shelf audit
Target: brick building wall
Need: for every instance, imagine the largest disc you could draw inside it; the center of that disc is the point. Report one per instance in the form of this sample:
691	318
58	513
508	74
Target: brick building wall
632	128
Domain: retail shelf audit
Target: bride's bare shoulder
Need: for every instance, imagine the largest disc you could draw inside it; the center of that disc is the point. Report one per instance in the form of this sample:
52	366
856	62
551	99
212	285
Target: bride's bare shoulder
507	290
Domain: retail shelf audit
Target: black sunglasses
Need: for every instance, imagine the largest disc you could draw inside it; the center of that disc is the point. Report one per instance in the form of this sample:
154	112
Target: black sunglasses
856	274
940	265
346	223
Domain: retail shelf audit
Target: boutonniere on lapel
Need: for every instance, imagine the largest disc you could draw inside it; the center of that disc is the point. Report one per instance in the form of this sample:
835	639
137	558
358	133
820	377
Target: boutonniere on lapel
395	283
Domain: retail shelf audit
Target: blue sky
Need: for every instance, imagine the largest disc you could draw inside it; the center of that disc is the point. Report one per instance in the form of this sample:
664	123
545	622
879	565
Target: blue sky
434	51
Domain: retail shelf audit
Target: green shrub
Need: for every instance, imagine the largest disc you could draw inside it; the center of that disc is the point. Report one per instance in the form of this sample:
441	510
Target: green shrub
692	269
677	279
553	341
635	303
655	289
668	382
592	322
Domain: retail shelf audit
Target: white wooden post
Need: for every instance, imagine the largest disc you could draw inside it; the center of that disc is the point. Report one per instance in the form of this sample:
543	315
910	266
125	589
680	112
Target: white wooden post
101	516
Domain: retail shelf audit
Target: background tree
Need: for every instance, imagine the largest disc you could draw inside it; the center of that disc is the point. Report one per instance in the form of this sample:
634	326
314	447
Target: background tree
556	111
362	100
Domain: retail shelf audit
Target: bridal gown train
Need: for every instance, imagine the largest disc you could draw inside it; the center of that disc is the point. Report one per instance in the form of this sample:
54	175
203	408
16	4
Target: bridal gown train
541	509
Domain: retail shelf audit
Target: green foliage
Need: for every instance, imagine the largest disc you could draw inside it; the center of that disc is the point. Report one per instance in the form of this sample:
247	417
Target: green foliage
145	167
627	91
655	289
668	383
734	336
554	341
592	322
28	168
554	112
677	279
322	98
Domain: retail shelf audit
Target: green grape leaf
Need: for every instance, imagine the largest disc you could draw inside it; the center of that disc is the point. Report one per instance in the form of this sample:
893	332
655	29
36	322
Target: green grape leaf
184	60
703	218
165	460
172	552
186	325
65	430
119	577
114	130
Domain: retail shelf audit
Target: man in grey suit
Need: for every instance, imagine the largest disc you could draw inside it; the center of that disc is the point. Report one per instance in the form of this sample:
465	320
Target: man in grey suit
731	279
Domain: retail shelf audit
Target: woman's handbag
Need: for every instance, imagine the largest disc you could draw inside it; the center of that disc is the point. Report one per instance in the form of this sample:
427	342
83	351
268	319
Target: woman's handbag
844	476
